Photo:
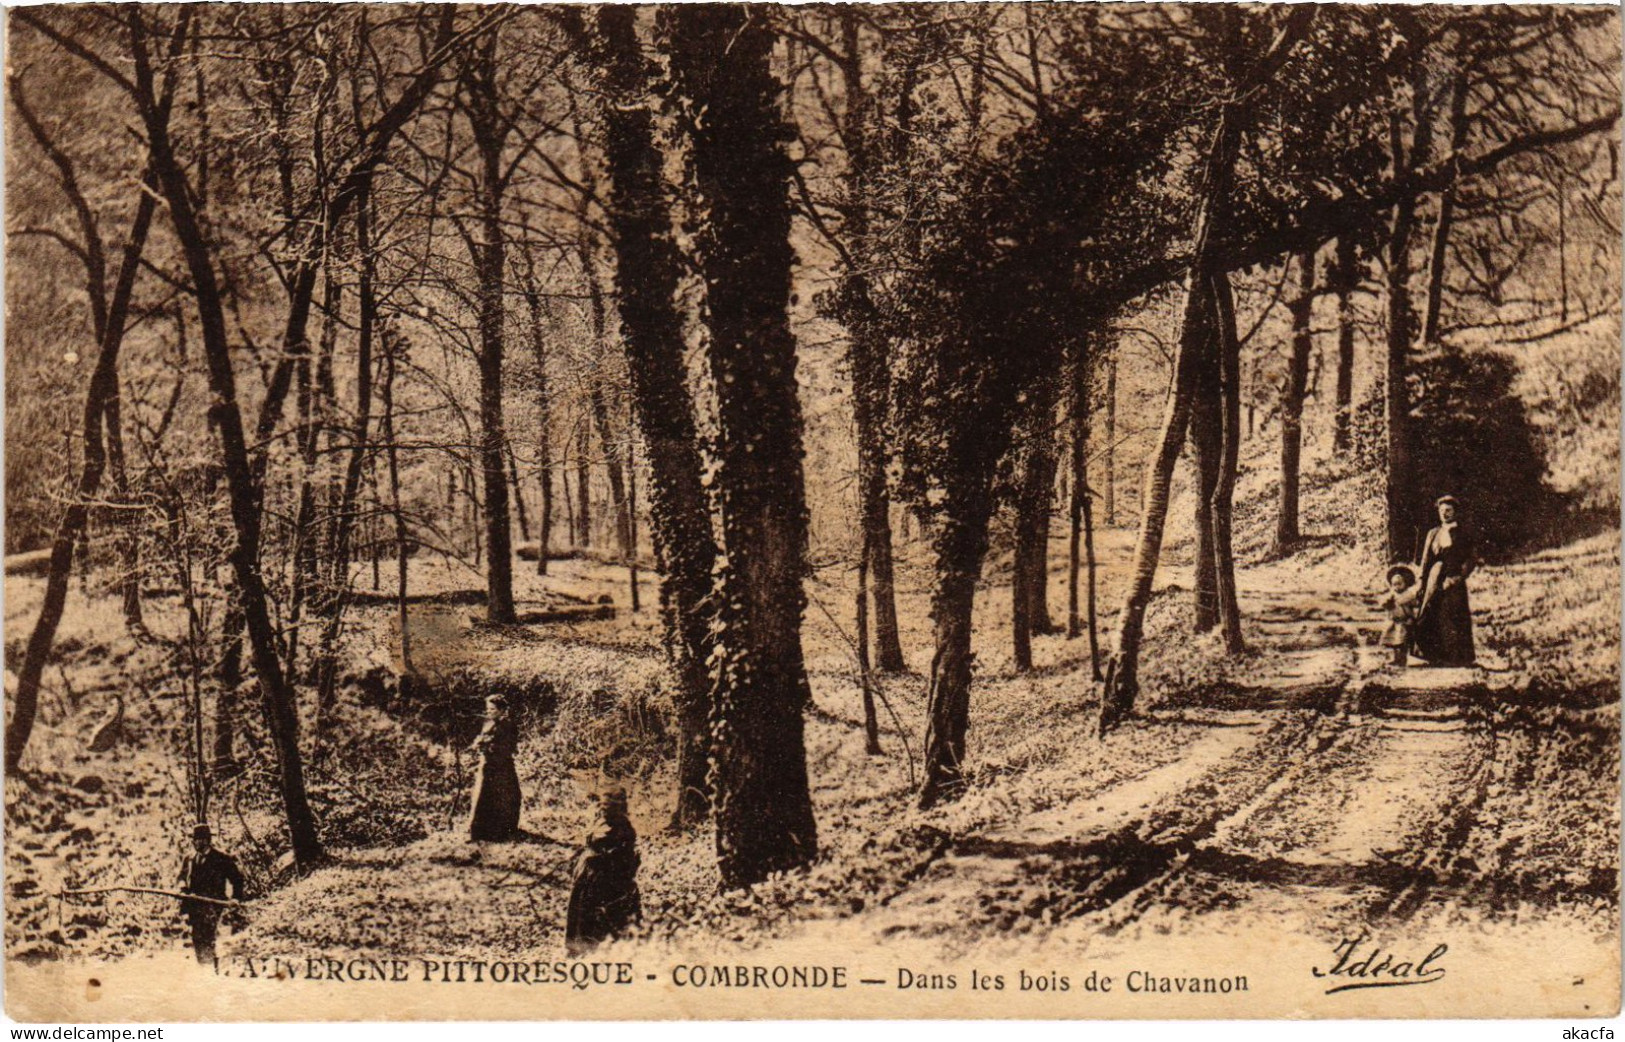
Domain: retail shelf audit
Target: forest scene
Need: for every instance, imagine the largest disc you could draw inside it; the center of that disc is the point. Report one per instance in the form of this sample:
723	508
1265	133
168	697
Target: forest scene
966	478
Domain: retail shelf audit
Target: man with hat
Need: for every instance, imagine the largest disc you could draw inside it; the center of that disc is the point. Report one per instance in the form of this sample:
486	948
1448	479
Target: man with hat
208	873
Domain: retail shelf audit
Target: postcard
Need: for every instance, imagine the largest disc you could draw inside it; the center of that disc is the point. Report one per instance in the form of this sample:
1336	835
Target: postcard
902	511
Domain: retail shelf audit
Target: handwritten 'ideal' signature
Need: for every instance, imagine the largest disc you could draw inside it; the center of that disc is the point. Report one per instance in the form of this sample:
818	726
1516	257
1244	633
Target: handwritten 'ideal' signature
1361	967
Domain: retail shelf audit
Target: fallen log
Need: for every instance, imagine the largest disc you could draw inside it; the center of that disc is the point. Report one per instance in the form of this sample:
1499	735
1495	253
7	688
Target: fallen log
553	616
33	562
575	613
527	552
448	597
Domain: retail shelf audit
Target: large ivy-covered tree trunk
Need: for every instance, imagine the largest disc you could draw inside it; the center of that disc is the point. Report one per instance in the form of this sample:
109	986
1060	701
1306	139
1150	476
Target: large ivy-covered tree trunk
960	544
646	285
1403	530
490	131
720	67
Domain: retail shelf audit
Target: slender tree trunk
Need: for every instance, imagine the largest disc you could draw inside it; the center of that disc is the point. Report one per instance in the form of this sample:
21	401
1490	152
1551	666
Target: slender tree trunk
310	402
1292	396
648	274
1111	437
1228	348
517	490
1041	505
720	61
392	345
875	498
340	550
597	401
871	722
1034	496
569	500
1562	254
1205	437
598	404
1078	475
127	524
632	525
1082	515
867	352
243	489
1348	279
1122	672
544	525
583	487
1439	255
228	679
544	420
612	467
1089	558
1021	598
103	388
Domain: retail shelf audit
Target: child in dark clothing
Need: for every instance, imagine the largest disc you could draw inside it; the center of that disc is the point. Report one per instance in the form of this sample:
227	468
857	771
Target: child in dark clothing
1400	604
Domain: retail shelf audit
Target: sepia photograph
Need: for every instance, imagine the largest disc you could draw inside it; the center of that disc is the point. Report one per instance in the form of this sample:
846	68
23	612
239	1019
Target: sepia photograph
829	511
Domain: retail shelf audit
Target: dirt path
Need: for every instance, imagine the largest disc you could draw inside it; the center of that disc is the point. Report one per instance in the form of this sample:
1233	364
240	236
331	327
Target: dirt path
1317	782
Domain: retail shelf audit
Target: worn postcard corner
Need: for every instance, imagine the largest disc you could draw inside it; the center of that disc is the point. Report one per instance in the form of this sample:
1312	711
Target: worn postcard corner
928	510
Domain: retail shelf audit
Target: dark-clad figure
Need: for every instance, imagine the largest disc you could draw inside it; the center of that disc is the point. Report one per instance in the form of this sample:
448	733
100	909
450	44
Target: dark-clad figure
208	873
1400	605
1444	624
604	899
495	812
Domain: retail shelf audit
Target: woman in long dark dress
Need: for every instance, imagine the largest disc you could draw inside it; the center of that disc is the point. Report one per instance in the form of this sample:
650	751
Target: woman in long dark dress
1444	625
604	898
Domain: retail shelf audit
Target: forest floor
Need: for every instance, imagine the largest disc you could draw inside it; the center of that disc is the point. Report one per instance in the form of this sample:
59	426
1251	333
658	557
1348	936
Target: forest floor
1305	786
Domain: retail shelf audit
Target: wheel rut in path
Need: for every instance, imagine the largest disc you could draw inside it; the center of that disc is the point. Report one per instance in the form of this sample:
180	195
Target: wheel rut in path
1096	849
1324	777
